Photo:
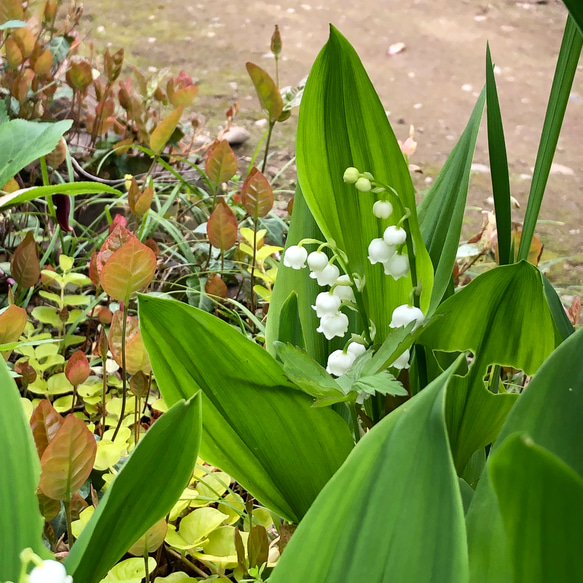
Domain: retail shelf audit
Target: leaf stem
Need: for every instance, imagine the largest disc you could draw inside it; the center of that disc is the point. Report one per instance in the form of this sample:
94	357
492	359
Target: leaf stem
123	370
269	132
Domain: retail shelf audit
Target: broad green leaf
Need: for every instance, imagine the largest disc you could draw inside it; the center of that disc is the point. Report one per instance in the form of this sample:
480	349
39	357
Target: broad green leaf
267	91
128	509
68	459
257	426
23	142
562	322
220	163
342	123
21	523
558	100
286	323
71	189
541	503
548	411
498	165
130	268
405	519
196	526
503	318
441	212
130	570
164	130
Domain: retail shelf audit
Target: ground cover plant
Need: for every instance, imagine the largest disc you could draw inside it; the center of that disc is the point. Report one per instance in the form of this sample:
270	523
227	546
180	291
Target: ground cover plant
173	392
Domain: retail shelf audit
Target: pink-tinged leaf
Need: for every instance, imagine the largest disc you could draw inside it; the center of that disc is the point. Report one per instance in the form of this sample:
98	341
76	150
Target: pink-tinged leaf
80	74
24	265
136	355
130	268
77	369
181	90
256	194
222	226
118	236
44	423
215	286
93	274
68	460
164	130
221	163
267	91
118	220
12	323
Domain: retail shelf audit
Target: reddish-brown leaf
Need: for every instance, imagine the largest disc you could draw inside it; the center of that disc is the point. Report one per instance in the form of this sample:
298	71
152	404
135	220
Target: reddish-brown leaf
181	90
136	355
130	268
49	508
220	163
143	201
24	265
68	460
267	91
44	422
118	236
80	74
164	130
222	226
11	10
77	368
12	323
256	194
215	286
93	274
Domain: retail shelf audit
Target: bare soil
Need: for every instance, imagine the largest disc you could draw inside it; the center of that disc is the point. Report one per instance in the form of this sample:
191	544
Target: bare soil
432	84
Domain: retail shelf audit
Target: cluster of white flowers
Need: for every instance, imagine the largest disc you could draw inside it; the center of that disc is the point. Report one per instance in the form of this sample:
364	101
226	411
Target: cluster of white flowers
332	321
50	572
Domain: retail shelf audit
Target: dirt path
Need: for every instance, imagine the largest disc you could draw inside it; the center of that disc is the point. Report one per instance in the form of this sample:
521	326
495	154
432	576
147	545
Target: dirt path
432	84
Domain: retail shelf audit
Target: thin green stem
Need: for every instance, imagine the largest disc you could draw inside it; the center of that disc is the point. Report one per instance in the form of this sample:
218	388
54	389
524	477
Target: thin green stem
70	536
269	132
123	371
146	566
253	260
355	426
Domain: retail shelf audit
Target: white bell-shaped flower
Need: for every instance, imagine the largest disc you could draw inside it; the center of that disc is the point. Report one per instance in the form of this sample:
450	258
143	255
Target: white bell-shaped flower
382	209
344	292
317	260
327	276
339	362
363	184
379	251
351	175
326	303
295	257
394	235
50	572
397	266
403	361
332	325
356	349
403	315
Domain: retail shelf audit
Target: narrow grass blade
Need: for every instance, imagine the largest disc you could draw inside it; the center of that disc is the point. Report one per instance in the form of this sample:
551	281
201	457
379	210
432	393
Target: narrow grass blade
576	9
562	83
498	165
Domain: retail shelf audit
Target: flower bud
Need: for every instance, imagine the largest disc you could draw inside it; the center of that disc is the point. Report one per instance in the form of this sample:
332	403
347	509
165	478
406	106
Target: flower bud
295	257
339	362
397	266
356	349
363	184
327	276
404	315
382	209
326	303
332	325
317	260
379	251
344	292
351	175
403	361
394	235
